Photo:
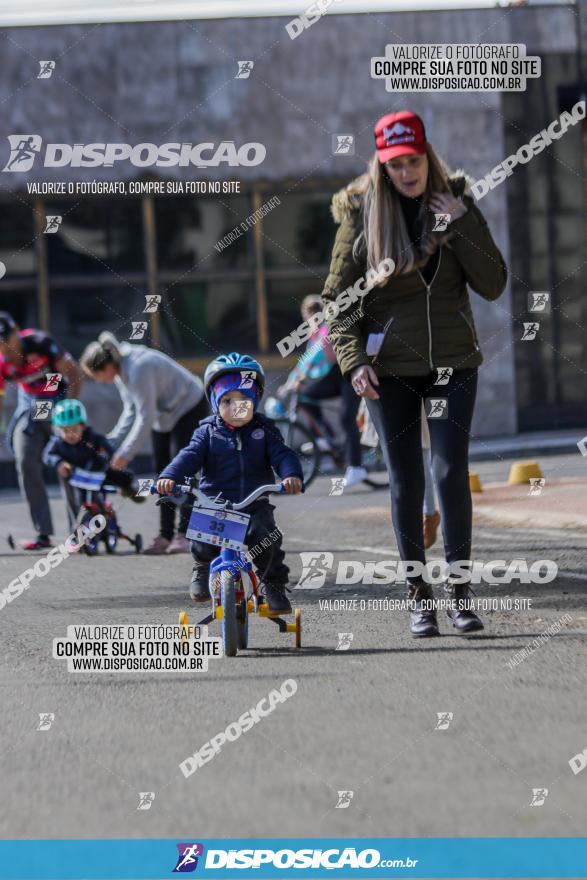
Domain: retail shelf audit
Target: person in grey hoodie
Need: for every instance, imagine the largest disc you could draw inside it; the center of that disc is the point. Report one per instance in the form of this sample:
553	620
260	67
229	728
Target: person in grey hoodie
159	397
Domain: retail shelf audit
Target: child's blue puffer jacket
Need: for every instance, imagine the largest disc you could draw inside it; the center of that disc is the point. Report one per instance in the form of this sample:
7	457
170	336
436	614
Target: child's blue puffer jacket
234	461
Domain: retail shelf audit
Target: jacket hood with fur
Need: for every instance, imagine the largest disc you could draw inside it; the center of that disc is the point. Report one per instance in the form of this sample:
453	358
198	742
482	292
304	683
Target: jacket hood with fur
350	197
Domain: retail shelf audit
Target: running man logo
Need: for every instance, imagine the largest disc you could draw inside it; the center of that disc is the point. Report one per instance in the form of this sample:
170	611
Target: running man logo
538	301
146	799
444	719
145	487
53	380
443	375
139	328
437	408
244	69
46	719
52	222
344	800
315	567
530	331
539	795
441	222
338	484
187	860
42	410
343	144
23	151
46	69
536	485
152	302
247	379
344	641
240	409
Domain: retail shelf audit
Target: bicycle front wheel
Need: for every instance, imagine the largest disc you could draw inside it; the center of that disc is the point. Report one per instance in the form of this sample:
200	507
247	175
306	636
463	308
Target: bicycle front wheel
299	438
229	623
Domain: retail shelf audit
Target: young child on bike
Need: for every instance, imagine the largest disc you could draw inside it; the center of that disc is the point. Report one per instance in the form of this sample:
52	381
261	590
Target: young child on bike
76	445
237	450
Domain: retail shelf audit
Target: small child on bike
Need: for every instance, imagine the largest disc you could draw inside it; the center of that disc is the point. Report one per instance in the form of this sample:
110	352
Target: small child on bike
237	450
75	444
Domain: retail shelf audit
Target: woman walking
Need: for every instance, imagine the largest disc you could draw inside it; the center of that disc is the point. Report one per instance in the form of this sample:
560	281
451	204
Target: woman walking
409	329
158	396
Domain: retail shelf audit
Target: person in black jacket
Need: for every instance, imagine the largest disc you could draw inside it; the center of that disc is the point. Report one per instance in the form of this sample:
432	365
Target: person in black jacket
76	445
238	450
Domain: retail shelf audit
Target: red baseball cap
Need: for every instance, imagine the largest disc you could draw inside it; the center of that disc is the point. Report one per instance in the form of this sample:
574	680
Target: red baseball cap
399	134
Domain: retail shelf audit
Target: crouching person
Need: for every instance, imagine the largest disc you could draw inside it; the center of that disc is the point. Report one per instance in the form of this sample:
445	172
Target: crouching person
75	444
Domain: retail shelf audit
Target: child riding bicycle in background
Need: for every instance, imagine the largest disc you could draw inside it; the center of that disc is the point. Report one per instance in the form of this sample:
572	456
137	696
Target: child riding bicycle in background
237	449
76	445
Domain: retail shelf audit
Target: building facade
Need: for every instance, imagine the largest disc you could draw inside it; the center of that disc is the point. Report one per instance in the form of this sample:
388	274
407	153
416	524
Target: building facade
163	82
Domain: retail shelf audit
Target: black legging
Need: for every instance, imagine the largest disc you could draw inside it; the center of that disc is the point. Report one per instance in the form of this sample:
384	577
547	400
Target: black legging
165	446
396	416
333	385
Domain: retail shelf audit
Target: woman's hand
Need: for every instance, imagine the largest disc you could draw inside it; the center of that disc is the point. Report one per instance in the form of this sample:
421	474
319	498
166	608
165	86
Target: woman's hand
363	380
165	487
64	469
292	485
446	203
119	462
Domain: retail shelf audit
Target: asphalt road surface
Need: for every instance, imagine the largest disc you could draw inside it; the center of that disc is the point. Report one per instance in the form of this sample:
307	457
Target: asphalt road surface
363	720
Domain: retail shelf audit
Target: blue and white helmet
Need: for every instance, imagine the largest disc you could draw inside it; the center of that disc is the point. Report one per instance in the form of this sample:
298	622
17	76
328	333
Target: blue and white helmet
233	363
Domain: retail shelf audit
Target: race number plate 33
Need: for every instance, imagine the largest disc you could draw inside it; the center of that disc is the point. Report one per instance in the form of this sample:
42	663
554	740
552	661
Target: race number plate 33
222	528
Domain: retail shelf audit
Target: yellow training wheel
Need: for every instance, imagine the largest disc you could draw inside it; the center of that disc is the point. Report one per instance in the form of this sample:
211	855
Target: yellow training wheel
183	622
298	624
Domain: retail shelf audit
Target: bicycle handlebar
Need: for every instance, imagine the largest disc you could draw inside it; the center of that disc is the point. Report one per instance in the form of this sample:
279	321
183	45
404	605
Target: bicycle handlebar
269	489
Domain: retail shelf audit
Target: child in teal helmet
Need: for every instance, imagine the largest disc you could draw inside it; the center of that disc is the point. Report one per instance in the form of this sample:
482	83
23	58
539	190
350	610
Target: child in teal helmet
75	444
236	450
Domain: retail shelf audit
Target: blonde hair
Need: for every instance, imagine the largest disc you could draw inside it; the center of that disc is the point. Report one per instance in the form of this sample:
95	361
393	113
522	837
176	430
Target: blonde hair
97	355
385	232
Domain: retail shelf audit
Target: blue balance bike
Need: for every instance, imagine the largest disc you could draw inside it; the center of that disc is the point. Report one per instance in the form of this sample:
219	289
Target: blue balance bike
234	585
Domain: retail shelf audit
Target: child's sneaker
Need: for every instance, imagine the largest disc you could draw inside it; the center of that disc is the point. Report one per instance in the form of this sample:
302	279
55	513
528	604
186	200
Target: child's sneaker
199	590
276	599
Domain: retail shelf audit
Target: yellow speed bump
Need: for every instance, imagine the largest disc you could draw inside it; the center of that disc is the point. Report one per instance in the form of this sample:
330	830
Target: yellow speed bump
475	483
523	471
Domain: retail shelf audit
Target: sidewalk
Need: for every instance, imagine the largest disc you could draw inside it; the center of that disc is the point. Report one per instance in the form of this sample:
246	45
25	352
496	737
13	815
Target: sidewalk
526	445
561	504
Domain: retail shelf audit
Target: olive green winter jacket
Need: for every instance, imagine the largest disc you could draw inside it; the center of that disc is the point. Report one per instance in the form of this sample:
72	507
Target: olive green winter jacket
424	326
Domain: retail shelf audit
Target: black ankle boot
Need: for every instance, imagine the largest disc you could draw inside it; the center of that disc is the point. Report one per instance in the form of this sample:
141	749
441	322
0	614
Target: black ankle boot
423	620
199	590
462	616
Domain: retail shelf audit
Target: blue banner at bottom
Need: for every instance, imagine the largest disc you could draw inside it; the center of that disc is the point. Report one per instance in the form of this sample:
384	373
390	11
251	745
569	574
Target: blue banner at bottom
380	858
